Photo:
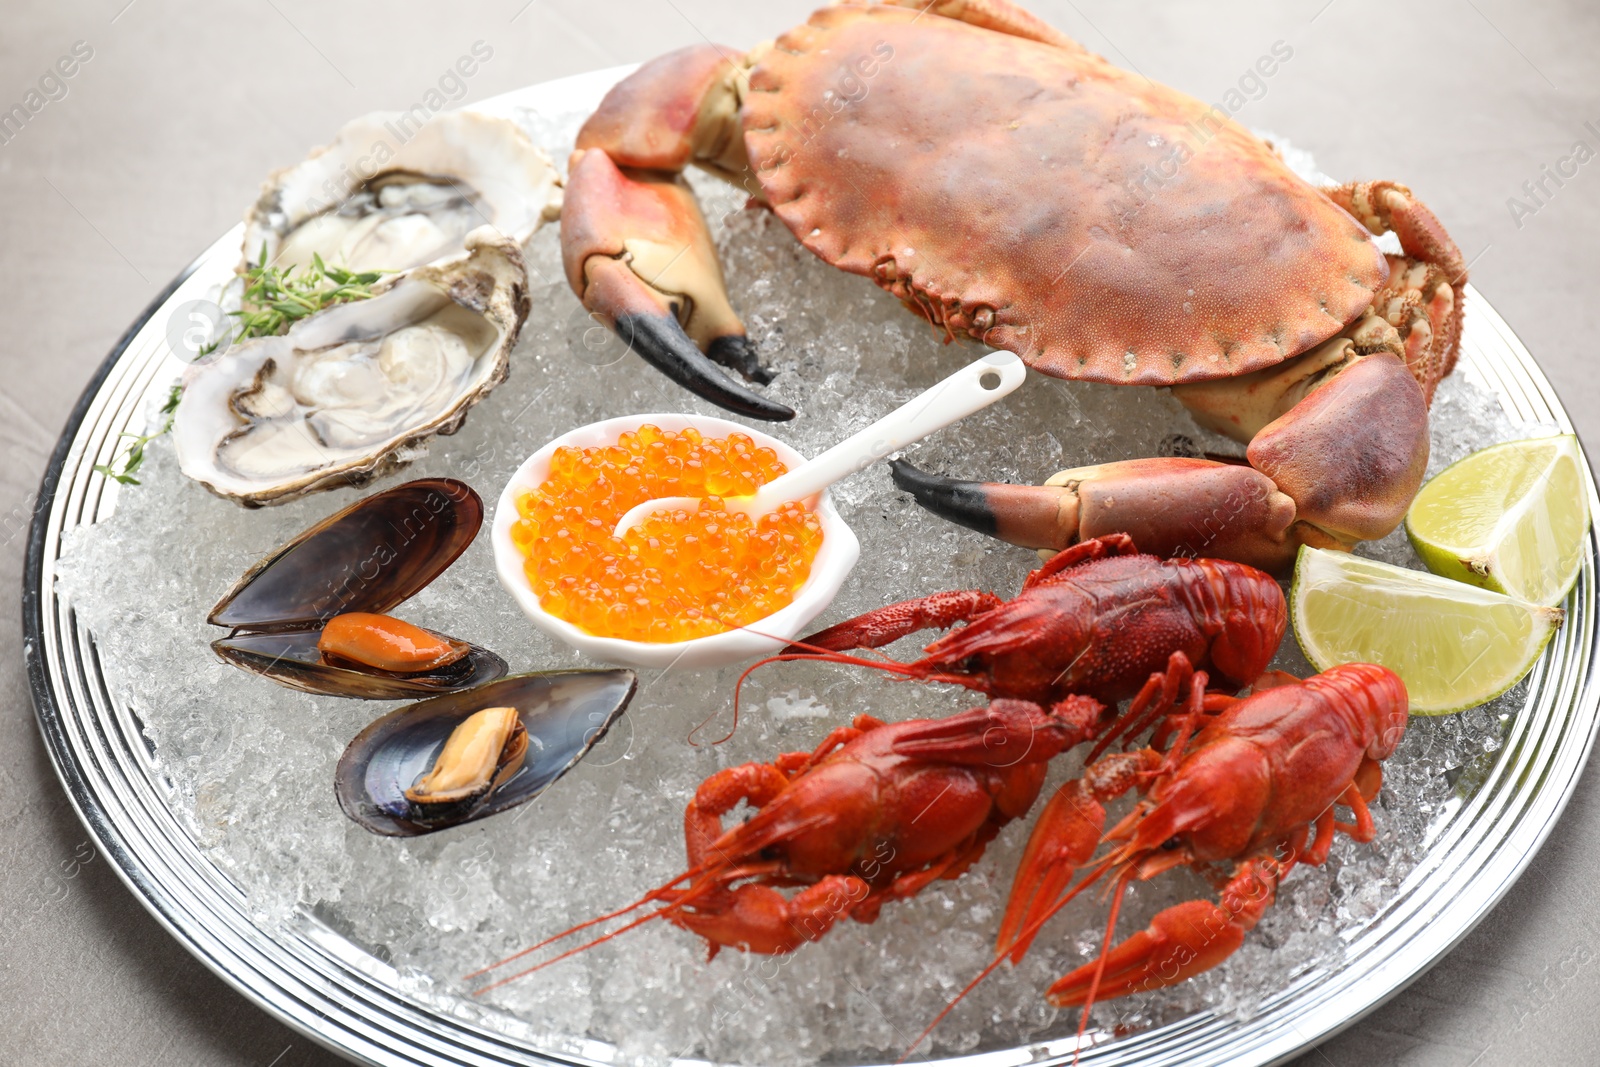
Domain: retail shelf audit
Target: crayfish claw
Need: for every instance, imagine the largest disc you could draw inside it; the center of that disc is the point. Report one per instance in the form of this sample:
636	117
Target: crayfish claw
1063	840
1179	943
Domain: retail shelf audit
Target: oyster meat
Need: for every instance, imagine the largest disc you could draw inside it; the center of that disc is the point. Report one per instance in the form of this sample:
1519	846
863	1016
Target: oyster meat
338	398
388	194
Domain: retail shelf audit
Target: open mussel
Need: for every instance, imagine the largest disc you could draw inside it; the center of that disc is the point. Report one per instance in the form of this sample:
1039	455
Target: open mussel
314	614
468	755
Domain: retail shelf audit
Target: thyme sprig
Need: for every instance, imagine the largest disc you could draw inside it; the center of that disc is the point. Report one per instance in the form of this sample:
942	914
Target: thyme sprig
275	298
133	458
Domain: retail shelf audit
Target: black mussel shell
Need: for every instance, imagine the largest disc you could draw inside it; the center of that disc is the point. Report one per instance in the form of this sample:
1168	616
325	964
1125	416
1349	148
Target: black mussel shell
565	713
376	553
291	658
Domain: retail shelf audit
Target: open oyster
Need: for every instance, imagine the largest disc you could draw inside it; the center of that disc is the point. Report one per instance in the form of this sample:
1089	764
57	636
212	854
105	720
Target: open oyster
468	755
389	194
358	563
338	398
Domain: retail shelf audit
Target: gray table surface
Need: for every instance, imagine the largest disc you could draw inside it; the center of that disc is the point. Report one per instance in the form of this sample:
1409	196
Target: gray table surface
163	134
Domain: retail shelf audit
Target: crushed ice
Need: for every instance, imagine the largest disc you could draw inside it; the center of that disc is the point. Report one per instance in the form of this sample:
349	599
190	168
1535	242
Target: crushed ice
249	764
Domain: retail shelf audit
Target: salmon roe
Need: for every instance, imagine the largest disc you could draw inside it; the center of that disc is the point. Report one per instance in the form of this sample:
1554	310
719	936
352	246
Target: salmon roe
675	576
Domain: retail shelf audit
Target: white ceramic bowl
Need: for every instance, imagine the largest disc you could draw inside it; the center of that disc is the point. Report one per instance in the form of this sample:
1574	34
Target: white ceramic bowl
835	558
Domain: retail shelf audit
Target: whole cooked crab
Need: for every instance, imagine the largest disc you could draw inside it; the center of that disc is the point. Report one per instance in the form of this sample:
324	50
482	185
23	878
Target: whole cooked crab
1014	189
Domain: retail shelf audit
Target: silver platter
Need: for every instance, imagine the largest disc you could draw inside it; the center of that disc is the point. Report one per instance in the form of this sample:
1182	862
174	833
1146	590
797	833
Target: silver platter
337	994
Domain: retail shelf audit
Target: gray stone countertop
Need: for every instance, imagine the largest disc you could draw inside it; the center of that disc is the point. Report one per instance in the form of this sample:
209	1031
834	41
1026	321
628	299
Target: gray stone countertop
174	113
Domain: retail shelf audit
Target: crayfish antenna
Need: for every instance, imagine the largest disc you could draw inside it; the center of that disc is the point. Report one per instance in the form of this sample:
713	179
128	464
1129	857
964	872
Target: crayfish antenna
652	895
658	913
1022	940
950	1007
813	653
1100	965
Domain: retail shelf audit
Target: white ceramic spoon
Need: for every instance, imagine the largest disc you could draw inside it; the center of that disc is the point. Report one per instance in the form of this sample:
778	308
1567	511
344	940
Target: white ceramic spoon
972	388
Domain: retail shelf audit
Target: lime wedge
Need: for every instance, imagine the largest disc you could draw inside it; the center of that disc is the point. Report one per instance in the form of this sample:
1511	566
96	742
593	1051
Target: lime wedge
1455	646
1511	518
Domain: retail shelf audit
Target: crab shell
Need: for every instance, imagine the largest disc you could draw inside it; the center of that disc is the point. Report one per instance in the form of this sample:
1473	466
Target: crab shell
1037	199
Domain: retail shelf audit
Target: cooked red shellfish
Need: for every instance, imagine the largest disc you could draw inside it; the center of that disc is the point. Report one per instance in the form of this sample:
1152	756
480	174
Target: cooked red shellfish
1012	188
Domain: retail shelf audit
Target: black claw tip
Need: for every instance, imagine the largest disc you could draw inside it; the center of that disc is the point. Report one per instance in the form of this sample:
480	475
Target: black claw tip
961	502
664	345
734	350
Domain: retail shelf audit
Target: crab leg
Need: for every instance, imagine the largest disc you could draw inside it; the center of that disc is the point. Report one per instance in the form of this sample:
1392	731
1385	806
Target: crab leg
634	244
1171	507
1422	300
1341	464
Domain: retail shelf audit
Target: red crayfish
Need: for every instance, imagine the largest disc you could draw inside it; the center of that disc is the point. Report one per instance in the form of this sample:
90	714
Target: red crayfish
1096	619
879	811
1252	781
874	814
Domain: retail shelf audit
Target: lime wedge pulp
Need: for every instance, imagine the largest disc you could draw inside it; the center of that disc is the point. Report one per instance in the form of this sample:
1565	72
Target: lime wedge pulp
1455	646
1511	518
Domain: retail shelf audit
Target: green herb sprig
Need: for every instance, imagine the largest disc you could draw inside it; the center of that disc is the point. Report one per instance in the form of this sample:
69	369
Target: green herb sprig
133	458
275	298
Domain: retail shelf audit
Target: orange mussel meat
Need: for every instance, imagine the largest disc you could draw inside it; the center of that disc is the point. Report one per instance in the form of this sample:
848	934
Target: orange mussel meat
387	643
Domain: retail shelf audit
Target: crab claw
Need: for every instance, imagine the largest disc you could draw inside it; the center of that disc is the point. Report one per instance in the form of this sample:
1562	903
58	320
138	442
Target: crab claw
638	254
1171	506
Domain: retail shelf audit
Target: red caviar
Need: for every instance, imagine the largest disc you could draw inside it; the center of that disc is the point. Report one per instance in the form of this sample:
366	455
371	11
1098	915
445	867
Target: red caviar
675	576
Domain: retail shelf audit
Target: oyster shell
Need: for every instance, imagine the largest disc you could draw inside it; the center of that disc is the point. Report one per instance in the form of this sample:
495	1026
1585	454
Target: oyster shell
564	714
338	398
368	557
388	195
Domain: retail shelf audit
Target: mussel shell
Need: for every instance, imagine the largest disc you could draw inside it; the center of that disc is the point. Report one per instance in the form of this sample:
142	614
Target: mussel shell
565	713
291	658
376	553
